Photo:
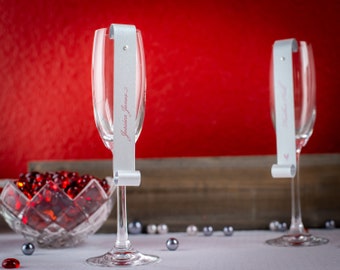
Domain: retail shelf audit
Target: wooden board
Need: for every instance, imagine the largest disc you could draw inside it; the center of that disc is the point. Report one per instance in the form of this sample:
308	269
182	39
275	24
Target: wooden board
219	191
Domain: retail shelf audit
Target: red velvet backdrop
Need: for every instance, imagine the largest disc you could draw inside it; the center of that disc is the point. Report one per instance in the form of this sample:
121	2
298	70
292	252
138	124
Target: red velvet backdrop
207	71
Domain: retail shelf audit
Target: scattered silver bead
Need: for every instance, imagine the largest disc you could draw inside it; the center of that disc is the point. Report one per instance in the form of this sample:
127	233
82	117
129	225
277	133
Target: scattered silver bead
277	226
192	230
135	227
28	248
172	244
228	230
162	229
282	227
330	224
208	230
151	229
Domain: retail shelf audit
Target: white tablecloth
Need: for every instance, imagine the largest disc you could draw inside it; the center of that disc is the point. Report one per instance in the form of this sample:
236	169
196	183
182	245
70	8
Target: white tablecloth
243	250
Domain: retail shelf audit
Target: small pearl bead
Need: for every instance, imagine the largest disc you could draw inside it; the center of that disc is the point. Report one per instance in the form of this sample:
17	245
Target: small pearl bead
151	229
192	230
274	225
172	244
162	228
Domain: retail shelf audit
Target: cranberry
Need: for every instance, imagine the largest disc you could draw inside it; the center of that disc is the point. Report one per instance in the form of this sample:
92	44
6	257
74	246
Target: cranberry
73	191
62	173
10	263
53	186
28	194
105	185
48	176
73	175
64	183
37	186
82	182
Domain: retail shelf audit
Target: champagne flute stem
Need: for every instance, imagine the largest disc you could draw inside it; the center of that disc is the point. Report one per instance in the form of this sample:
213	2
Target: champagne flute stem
296	225
122	241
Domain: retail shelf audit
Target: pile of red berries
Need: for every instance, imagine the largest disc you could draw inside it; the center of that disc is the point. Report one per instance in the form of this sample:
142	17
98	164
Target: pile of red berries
71	182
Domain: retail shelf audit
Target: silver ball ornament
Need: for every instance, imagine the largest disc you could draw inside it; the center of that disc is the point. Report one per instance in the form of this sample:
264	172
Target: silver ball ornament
282	227
330	224
208	230
172	244
135	227
228	230
28	248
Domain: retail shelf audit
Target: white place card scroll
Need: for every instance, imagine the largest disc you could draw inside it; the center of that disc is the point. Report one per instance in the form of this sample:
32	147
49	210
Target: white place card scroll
284	108
124	98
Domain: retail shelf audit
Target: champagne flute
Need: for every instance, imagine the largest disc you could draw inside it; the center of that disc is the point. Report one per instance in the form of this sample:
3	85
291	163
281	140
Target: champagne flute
122	254
304	87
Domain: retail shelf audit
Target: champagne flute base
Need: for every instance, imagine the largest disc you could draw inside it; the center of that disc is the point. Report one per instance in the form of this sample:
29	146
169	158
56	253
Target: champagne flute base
122	257
297	240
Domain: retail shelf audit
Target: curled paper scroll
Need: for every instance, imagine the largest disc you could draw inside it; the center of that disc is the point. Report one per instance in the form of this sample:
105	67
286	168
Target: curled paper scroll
125	60
284	108
127	178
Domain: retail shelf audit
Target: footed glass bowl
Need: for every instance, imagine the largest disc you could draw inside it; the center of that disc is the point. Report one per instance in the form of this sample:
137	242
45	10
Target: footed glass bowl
58	213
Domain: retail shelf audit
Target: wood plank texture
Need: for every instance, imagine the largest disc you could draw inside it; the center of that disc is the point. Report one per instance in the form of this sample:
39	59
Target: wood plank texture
219	191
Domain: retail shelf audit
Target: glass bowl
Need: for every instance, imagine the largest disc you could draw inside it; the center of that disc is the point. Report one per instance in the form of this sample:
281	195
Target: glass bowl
58	212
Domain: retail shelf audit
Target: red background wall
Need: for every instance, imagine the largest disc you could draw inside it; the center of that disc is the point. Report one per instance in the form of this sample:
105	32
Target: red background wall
207	71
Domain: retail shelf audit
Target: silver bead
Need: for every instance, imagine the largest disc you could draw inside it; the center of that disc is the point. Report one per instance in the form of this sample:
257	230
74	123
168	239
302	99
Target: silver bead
28	248
172	244
162	229
228	230
208	230
192	230
330	224
282	227
151	229
135	227
274	225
